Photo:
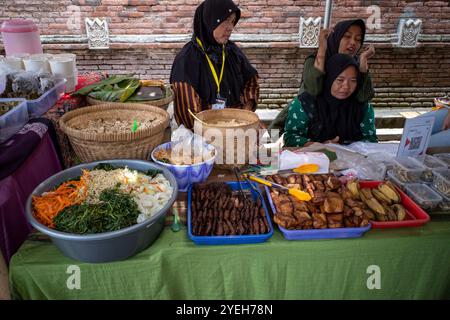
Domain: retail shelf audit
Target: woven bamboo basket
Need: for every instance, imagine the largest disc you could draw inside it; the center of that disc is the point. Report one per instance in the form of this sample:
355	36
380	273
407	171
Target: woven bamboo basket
237	145
124	145
160	103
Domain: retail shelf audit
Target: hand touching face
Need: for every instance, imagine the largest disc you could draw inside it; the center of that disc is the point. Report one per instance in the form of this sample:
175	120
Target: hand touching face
345	83
222	32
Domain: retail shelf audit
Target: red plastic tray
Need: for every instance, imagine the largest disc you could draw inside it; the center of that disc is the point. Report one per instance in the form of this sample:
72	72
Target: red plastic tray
415	216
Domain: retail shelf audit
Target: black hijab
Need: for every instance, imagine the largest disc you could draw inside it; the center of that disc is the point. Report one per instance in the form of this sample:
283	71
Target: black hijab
330	117
191	66
340	29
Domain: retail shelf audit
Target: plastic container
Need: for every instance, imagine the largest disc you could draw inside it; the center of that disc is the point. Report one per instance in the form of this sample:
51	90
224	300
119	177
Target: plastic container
392	178
107	246
431	164
71	84
337	233
39	106
445	204
186	175
13	120
441	182
37	63
12	64
408	170
444	157
20	36
415	216
65	65
423	195
221	240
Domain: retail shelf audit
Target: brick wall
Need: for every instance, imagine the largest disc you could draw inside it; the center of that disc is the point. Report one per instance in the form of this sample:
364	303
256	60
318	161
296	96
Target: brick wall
258	16
420	71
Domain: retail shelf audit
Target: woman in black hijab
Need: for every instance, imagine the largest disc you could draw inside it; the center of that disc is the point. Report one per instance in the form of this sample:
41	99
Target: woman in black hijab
335	115
347	37
211	71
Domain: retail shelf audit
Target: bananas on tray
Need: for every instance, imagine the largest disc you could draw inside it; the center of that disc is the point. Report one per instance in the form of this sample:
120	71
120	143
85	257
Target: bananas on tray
384	200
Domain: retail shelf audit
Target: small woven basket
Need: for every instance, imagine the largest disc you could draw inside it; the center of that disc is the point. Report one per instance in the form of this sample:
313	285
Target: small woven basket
124	145
160	103
206	118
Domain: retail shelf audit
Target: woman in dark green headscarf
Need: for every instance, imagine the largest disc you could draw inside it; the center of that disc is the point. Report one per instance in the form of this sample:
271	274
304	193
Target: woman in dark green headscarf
335	115
346	37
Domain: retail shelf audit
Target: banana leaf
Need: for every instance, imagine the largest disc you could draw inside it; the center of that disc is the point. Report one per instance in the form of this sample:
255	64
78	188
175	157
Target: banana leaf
99	85
116	92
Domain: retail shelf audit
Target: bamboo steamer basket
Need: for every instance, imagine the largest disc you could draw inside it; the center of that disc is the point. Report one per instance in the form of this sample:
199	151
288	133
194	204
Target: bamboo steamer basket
123	145
206	119
160	103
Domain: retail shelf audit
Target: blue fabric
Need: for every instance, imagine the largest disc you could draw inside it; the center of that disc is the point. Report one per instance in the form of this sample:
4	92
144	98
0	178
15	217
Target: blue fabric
439	138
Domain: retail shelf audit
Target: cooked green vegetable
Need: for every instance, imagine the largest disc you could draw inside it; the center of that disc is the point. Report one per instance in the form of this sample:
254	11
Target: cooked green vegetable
105	166
116	211
152	172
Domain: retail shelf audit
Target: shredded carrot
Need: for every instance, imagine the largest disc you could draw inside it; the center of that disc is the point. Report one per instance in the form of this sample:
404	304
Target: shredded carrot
48	205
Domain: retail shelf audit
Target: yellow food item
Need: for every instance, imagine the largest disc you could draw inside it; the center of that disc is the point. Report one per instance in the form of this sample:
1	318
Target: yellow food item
307	168
390	192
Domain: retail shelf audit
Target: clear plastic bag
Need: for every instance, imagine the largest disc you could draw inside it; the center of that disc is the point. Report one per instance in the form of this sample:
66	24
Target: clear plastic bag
368	169
28	85
46	82
188	148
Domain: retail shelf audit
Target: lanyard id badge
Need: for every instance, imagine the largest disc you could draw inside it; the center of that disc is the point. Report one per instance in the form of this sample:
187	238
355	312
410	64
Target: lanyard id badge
220	103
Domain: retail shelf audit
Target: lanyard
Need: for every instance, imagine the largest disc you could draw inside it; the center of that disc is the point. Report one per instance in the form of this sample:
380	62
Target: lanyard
213	70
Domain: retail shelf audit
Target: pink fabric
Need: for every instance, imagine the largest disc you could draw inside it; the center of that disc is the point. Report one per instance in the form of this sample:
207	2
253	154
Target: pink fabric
14	190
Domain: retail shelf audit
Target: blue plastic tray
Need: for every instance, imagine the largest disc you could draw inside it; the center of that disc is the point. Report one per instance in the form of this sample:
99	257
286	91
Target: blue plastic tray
243	239
310	234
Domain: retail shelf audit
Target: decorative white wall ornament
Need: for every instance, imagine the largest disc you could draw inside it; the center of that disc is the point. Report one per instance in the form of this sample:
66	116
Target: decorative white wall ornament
97	33
309	32
408	32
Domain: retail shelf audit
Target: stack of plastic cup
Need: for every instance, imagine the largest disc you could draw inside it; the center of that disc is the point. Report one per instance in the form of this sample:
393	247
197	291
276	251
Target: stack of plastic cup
37	63
12	63
65	65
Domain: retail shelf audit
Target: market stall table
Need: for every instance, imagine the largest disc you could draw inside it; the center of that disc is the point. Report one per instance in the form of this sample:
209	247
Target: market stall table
413	264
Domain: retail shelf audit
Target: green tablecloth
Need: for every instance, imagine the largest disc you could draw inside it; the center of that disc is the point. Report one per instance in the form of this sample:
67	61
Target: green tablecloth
414	264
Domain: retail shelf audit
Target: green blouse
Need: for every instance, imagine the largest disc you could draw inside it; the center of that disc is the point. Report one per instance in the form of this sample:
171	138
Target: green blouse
296	126
312	83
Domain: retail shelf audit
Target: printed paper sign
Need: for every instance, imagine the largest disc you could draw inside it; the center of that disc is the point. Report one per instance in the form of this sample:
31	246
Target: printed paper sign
415	138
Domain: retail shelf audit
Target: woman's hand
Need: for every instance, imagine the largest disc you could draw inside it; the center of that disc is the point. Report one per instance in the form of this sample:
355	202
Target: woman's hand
308	143
335	140
446	125
368	53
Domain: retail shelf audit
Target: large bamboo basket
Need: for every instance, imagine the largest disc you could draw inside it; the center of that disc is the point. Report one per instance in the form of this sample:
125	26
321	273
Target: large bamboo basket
205	120
160	103
127	145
